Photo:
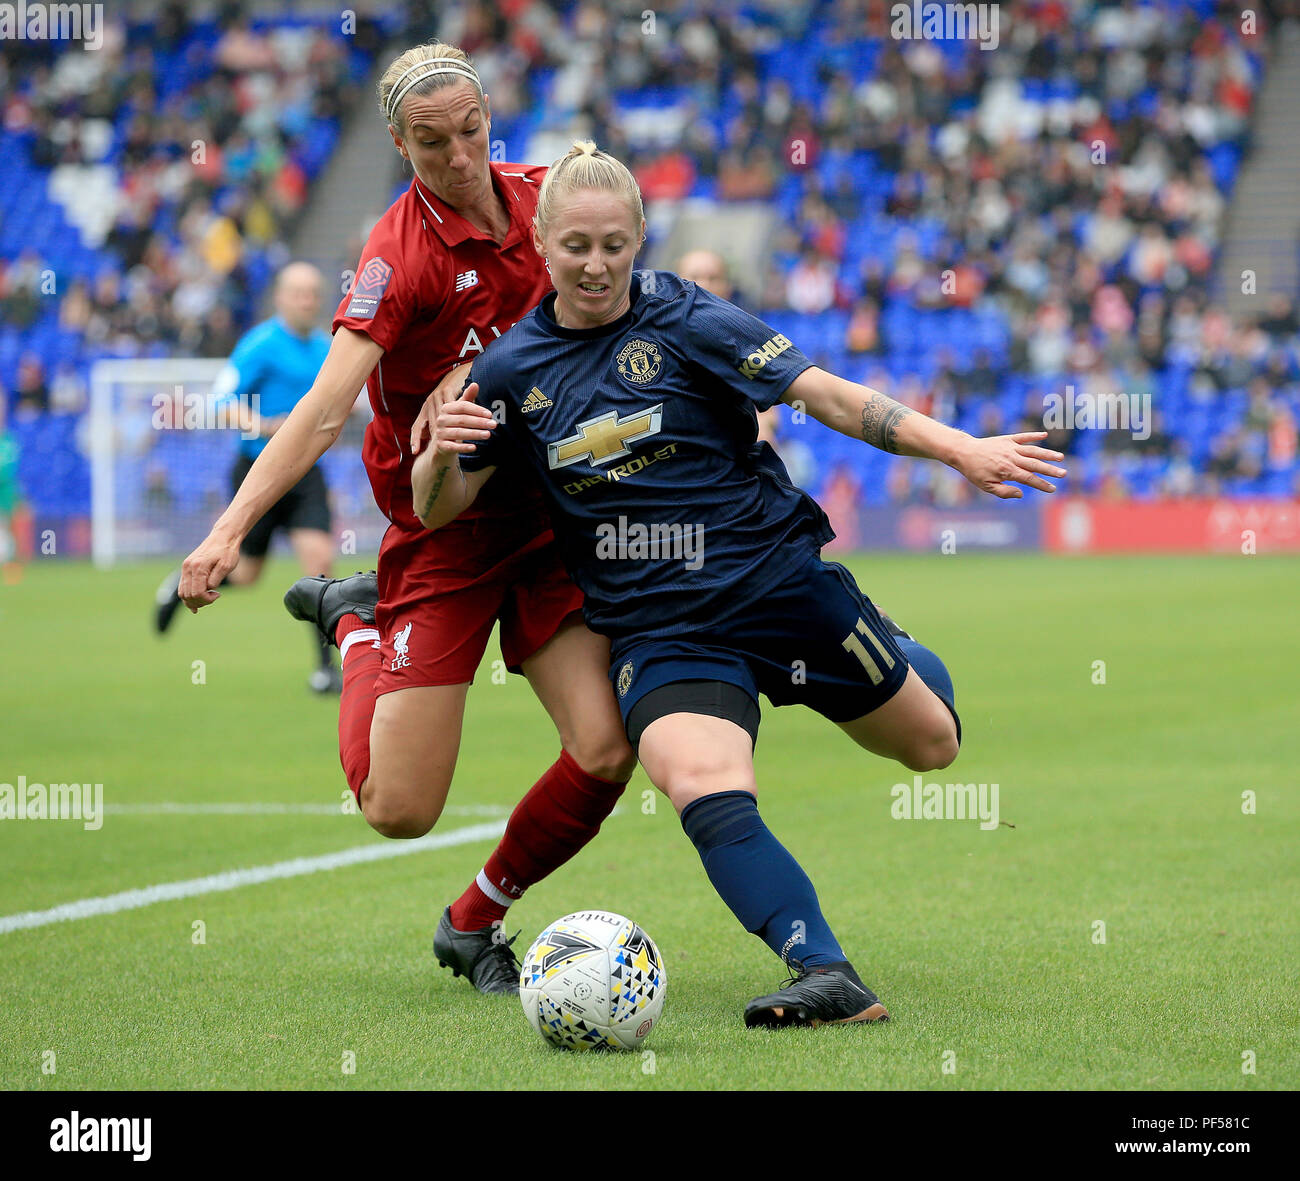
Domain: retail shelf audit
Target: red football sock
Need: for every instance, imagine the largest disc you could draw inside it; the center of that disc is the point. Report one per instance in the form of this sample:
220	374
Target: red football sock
358	645
562	811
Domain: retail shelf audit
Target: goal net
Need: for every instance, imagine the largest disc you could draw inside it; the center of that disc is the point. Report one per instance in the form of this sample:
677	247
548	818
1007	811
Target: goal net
162	448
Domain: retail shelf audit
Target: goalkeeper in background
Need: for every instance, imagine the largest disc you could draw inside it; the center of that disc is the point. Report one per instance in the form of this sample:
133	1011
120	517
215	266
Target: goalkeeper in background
271	368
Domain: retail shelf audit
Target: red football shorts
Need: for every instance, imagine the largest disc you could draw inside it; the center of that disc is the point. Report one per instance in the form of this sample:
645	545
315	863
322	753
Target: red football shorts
440	594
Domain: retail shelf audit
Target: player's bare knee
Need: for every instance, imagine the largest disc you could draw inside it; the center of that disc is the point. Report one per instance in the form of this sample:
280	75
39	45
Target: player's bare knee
702	775
604	756
399	830
945	751
399	824
933	750
397	815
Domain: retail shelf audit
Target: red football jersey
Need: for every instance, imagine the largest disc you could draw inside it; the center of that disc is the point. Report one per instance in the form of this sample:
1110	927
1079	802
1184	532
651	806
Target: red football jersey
435	291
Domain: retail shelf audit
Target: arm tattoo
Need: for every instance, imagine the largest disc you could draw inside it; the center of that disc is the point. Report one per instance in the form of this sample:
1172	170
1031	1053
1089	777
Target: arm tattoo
880	419
433	492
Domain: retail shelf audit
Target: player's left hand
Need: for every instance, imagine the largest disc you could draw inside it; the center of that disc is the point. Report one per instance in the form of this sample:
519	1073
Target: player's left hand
447	390
996	464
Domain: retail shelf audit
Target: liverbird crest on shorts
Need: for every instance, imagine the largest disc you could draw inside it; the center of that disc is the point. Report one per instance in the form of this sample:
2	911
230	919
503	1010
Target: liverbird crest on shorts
400	657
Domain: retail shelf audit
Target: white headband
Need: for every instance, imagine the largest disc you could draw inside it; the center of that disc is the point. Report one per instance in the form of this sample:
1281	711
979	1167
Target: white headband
431	66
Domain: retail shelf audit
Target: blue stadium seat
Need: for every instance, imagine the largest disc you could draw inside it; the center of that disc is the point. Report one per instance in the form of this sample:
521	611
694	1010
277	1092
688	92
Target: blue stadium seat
1223	160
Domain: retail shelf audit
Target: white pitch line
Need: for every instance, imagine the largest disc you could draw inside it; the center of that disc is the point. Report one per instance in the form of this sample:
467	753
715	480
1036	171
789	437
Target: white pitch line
233	879
261	809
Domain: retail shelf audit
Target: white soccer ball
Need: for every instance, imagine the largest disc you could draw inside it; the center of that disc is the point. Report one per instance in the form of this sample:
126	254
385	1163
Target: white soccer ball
593	981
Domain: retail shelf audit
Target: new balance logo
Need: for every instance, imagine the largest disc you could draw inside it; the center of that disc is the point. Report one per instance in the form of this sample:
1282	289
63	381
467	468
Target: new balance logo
536	400
466	280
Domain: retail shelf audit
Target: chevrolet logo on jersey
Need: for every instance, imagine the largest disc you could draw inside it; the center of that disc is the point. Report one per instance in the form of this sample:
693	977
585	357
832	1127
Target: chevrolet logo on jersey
750	366
605	438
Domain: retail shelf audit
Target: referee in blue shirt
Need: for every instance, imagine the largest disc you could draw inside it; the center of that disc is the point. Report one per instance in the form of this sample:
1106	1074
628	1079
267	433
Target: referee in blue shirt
271	368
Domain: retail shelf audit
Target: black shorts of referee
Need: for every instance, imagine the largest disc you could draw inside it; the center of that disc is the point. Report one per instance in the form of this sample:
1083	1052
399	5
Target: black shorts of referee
305	506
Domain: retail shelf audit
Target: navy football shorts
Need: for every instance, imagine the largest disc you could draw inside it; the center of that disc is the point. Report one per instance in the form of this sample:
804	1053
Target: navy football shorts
814	639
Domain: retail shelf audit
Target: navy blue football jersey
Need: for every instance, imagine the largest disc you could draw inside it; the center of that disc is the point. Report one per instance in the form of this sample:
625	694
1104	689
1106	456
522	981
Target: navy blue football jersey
643	435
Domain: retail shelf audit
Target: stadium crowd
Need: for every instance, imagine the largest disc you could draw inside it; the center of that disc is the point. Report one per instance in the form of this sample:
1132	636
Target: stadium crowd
182	159
981	230
971	231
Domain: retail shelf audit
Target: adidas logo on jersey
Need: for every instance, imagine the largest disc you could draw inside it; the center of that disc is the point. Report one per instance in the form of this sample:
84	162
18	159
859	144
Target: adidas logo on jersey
466	280
536	400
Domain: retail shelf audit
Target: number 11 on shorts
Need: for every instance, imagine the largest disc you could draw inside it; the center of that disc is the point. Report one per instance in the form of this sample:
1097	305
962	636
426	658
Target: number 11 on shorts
854	645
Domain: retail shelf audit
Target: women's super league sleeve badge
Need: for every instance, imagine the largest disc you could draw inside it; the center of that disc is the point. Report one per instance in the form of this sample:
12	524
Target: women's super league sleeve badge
369	289
639	361
625	679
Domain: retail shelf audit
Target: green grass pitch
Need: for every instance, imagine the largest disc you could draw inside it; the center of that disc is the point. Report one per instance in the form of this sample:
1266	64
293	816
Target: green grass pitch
1126	799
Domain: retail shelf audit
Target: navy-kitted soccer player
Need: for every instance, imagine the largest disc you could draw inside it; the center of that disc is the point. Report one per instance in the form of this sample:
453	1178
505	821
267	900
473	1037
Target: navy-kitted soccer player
634	399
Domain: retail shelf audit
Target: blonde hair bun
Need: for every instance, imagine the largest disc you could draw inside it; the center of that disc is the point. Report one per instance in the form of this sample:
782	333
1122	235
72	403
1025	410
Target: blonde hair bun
585	166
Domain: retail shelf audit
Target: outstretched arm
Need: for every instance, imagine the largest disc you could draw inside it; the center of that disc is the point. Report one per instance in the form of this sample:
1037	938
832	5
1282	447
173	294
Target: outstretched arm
993	464
440	490
297	443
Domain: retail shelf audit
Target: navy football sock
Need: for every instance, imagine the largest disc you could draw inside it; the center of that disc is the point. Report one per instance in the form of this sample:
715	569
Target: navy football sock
933	672
758	879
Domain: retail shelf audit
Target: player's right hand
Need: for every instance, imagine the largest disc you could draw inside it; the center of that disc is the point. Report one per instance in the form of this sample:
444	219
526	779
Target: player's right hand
459	424
447	390
997	463
203	570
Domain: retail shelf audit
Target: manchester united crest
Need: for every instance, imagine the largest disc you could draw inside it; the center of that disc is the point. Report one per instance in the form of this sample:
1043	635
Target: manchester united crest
639	361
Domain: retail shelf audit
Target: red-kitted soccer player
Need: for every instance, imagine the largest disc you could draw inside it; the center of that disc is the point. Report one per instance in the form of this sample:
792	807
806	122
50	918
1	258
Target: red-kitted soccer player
447	269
